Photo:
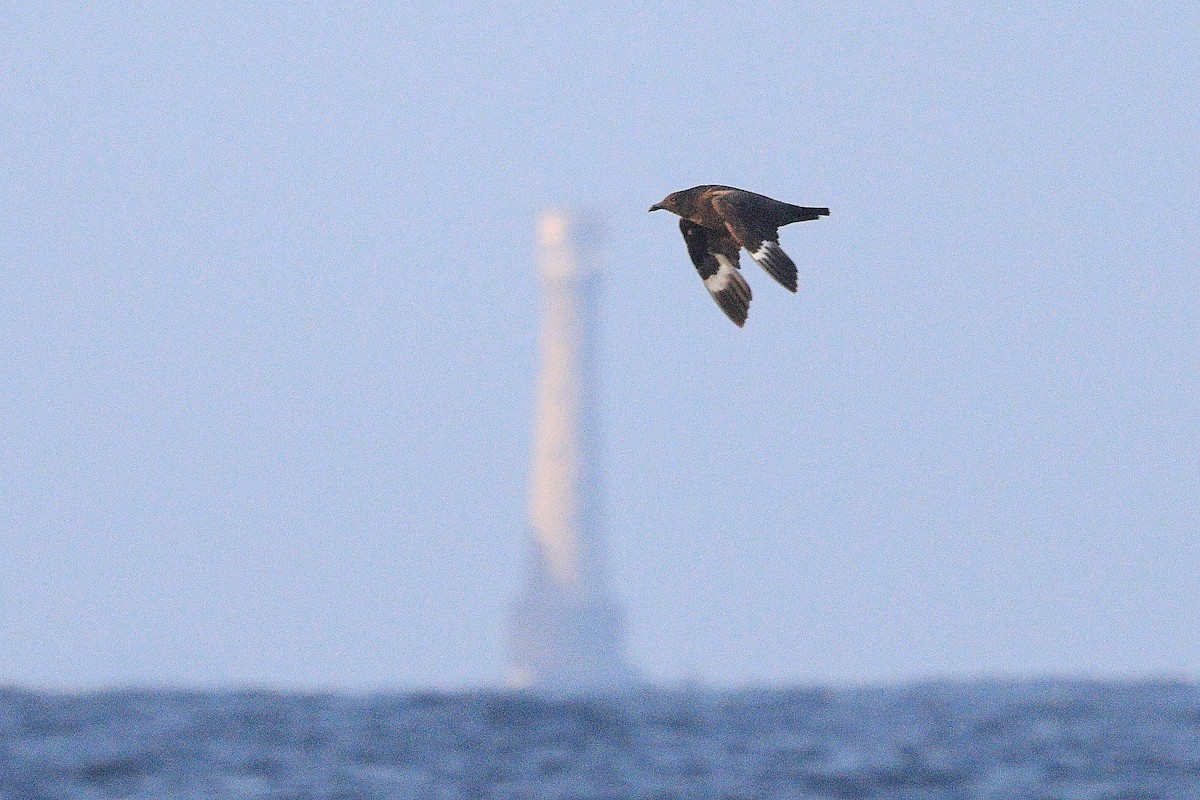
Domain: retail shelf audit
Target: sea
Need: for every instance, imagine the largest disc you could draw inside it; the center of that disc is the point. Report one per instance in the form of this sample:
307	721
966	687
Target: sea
1021	739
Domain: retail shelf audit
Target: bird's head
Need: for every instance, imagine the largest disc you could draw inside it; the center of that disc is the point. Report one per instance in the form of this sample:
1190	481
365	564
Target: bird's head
668	203
682	202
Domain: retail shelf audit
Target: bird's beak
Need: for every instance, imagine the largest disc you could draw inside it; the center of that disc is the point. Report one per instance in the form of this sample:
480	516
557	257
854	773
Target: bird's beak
655	207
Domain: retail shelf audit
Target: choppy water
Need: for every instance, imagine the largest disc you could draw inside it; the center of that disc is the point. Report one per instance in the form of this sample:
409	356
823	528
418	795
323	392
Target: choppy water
1020	740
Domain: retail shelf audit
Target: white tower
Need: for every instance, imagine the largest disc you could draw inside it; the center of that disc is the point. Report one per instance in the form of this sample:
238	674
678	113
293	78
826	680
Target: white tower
567	634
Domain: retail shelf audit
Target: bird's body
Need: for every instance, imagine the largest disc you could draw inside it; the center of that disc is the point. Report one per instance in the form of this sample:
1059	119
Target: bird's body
717	221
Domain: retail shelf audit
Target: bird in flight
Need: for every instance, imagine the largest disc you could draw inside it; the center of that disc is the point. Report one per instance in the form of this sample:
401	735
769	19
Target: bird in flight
717	221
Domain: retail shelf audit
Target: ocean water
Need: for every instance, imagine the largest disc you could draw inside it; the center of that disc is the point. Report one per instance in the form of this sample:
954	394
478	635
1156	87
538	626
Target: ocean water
1047	739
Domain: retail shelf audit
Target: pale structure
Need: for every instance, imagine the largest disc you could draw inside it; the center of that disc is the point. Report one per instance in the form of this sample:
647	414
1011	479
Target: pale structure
567	634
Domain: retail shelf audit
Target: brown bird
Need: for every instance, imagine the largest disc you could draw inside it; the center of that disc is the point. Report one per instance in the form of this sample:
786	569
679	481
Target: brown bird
717	221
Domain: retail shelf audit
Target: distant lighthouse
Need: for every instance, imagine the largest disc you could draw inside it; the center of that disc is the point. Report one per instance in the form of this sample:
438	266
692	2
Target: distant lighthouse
567	634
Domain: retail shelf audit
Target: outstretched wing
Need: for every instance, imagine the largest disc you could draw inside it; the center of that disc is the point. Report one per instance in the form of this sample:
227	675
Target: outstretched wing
715	254
753	220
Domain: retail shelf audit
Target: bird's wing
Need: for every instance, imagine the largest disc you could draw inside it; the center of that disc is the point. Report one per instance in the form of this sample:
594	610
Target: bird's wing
715	255
750	219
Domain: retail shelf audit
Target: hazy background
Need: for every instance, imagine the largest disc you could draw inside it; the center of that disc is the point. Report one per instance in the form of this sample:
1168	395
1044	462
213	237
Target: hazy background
268	325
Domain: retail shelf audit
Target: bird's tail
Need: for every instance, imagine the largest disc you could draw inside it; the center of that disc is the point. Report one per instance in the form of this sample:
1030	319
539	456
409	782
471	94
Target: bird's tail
805	213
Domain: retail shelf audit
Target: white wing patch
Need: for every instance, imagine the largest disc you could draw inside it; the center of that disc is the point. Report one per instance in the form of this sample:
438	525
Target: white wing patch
729	289
725	272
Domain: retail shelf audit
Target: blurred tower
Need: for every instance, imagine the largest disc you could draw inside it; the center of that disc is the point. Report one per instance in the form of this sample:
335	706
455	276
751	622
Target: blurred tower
567	634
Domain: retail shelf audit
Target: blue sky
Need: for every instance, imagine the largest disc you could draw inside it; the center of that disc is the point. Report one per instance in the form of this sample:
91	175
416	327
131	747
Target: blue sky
269	311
